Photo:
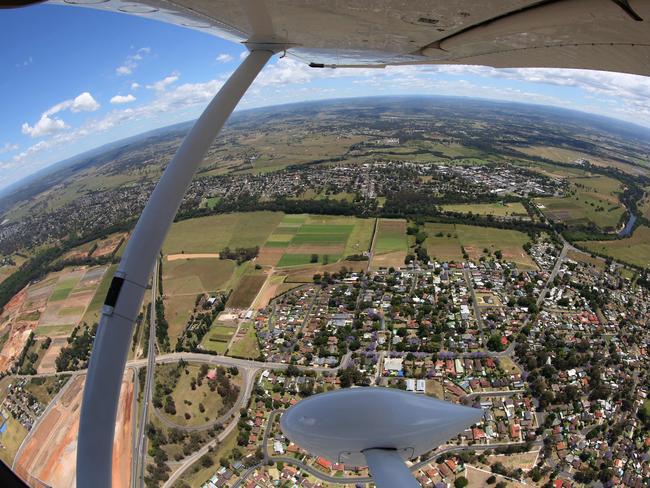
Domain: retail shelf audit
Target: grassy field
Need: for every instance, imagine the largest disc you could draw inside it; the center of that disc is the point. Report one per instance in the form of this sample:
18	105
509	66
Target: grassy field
595	200
53	330
442	242
360	237
510	242
391	245
7	270
246	291
634	250
391	236
177	311
196	275
11	439
245	344
45	388
217	338
644	204
94	308
564	155
63	289
187	400
213	233
514	209
586	258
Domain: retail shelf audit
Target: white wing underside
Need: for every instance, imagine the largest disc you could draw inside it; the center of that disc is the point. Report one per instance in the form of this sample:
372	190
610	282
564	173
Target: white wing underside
612	35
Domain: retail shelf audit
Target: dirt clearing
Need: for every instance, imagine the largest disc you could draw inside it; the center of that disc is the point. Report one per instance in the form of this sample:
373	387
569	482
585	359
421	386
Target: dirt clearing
175	257
49	454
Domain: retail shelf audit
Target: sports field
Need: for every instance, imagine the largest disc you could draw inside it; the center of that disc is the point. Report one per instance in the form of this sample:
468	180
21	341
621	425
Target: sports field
634	250
513	209
390	246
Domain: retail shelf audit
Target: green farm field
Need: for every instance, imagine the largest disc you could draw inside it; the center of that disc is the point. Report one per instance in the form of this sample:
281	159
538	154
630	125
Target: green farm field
211	234
331	238
94	308
633	250
391	245
63	289
54	330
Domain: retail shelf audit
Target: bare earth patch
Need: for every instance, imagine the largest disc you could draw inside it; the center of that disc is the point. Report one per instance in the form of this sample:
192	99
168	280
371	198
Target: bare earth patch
49	454
175	257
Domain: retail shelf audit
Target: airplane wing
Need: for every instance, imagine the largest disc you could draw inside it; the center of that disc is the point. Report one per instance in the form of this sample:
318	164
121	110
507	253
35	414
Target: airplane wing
612	35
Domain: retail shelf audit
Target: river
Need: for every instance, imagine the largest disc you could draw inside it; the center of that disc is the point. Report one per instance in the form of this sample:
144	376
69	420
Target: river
627	230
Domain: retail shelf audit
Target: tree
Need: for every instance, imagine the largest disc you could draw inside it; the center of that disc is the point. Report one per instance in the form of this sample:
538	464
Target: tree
314	258
206	461
170	406
461	482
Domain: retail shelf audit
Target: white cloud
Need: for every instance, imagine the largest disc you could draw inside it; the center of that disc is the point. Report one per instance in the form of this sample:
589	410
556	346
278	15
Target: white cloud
242	55
135	86
48	124
285	71
8	147
44	127
82	103
161	85
131	62
288	80
122	99
224	58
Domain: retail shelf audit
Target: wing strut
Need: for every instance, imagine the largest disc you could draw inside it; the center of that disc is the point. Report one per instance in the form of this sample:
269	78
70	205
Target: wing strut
388	469
106	368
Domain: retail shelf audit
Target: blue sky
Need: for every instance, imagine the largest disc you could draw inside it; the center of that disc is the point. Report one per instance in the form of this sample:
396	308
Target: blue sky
75	78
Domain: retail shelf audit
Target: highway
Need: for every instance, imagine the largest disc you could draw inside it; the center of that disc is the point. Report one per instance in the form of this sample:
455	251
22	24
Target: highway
140	455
